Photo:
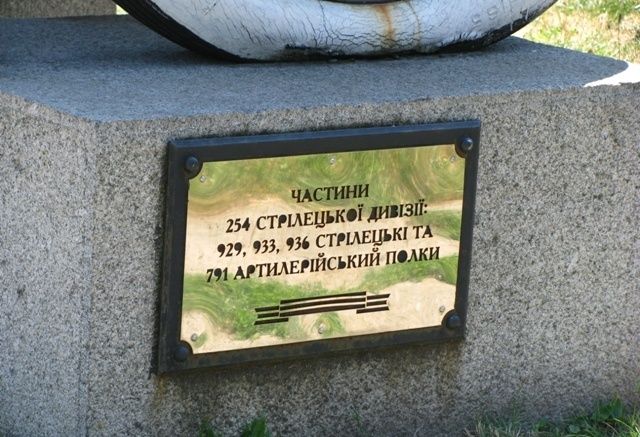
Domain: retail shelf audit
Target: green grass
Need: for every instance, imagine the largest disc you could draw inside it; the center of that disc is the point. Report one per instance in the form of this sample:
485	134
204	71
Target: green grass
616	10
256	428
207	430
602	27
611	419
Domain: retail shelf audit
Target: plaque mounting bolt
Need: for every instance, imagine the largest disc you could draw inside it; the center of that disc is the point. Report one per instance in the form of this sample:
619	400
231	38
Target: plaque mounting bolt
466	145
194	337
191	164
321	329
454	321
181	353
203	178
442	309
332	160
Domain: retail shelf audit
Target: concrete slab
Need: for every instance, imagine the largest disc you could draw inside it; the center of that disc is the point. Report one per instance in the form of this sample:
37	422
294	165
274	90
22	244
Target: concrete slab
112	68
58	8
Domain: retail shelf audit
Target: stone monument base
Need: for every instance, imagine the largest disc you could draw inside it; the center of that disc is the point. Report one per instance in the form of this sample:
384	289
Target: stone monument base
85	117
58	8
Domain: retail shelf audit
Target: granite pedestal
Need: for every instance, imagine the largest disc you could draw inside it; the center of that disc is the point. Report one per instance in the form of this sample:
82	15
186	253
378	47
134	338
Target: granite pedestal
58	8
87	107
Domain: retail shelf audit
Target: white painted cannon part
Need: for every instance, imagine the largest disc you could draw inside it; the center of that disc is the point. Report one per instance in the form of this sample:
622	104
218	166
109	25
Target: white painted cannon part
290	29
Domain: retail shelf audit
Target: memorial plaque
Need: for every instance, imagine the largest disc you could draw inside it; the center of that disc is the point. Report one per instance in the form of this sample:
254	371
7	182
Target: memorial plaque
298	244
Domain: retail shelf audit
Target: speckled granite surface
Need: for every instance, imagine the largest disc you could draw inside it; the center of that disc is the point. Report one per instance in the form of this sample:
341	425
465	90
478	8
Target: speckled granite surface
57	8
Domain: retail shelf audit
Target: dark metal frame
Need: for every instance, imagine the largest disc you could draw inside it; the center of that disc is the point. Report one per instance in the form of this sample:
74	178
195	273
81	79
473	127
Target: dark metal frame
185	160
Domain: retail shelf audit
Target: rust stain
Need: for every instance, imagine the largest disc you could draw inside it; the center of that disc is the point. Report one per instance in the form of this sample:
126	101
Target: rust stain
385	18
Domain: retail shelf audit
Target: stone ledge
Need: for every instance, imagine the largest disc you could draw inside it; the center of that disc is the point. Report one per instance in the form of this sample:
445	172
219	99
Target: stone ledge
58	8
113	68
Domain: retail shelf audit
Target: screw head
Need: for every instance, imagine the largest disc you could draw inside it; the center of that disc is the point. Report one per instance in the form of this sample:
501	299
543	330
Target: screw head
181	353
321	329
191	164
442	309
466	145
194	337
454	321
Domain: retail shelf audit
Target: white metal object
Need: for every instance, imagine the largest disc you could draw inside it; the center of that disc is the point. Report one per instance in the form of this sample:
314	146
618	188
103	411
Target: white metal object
294	29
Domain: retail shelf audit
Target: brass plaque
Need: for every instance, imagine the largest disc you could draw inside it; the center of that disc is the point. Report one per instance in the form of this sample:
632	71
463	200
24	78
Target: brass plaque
348	241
